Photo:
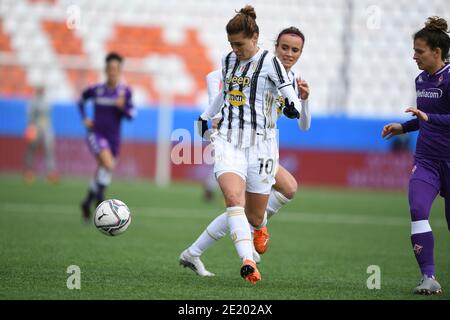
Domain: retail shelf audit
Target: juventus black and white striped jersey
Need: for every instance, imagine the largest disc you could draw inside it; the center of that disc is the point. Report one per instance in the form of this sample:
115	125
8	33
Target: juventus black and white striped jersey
244	108
304	122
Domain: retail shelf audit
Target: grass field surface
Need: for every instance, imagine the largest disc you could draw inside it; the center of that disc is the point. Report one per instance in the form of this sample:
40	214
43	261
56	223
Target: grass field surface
321	245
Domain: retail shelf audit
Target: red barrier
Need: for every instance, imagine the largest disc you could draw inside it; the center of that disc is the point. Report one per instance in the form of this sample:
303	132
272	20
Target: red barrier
73	158
137	160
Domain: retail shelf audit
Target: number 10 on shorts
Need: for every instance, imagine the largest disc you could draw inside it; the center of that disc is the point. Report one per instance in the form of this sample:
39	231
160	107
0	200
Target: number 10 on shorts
266	165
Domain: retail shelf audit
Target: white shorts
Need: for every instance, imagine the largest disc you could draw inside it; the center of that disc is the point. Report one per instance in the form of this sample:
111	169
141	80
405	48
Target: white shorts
257	164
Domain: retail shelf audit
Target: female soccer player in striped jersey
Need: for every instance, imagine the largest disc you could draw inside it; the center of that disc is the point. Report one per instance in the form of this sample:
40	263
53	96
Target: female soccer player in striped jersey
246	152
112	102
288	48
431	171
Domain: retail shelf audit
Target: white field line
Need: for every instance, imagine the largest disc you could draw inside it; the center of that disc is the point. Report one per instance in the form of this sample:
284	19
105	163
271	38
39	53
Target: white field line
192	213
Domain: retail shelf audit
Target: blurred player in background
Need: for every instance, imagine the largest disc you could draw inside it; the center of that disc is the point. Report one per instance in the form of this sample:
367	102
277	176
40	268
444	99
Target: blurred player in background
288	48
39	131
431	171
112	102
246	152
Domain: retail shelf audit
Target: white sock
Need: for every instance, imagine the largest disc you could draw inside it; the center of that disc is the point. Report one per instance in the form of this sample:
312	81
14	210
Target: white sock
104	176
93	186
240	232
213	232
276	201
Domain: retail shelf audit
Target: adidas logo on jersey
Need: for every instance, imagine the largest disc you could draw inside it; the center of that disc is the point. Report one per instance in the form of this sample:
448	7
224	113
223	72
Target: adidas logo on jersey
244	81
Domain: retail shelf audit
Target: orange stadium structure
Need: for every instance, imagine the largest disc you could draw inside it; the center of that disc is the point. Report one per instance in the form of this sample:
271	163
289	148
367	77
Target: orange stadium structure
14	77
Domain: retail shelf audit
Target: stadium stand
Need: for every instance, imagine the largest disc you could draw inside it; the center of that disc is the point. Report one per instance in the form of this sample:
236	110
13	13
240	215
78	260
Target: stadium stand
351	46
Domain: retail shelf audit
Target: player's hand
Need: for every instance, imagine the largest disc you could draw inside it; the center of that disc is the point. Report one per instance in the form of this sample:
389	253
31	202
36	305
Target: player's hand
215	123
289	110
391	129
419	114
202	127
120	102
303	87
88	124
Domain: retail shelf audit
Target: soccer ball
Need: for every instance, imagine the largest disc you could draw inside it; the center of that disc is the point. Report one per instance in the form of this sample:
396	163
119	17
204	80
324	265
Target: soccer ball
112	217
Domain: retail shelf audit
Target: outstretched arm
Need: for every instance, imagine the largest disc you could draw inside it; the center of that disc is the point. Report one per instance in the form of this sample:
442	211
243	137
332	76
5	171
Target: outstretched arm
439	119
411	125
87	94
128	109
304	122
214	108
278	75
392	129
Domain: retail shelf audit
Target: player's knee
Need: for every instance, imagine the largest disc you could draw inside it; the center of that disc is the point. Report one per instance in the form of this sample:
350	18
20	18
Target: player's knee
291	189
418	211
233	199
110	166
256	219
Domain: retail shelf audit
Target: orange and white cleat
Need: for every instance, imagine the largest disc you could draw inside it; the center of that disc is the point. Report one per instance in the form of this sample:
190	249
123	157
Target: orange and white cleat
249	271
261	240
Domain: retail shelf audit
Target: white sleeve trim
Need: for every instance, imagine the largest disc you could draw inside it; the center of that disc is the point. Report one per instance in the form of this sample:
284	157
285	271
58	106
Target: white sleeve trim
213	80
304	122
214	108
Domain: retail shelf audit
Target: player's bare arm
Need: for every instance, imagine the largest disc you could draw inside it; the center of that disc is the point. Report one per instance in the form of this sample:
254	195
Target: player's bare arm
391	129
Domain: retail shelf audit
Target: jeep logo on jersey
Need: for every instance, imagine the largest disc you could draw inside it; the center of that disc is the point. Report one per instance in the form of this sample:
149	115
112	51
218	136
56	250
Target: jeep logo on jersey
236	98
432	93
244	81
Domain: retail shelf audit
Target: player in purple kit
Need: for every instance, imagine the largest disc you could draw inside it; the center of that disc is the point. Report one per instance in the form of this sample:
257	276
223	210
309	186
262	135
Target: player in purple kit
112	103
431	171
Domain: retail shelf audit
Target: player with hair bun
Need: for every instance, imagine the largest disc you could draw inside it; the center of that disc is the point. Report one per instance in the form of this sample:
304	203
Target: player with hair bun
431	172
288	48
246	152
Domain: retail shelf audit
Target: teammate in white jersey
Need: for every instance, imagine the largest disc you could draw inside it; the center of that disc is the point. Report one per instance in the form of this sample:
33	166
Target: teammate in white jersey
288	48
246	152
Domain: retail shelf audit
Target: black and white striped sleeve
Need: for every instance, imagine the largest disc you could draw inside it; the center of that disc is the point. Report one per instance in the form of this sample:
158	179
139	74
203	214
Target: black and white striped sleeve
278	75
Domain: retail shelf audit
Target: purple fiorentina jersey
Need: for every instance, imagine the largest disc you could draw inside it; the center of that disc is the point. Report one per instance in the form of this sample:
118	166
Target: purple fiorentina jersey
433	98
107	116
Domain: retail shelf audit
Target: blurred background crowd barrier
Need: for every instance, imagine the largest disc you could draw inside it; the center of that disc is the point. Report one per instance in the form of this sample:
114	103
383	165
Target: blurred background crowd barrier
357	59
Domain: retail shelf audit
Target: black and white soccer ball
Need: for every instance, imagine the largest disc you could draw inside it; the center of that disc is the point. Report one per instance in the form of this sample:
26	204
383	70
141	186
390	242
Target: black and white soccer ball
112	217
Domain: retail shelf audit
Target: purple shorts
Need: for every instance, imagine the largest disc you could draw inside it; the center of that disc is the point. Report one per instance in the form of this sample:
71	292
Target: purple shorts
434	172
97	142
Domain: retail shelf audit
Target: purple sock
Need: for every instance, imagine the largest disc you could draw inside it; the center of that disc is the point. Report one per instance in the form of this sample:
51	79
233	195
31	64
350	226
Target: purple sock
423	246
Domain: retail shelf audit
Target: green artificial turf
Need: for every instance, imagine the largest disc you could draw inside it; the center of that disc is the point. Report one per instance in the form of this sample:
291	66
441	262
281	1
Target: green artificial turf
321	245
